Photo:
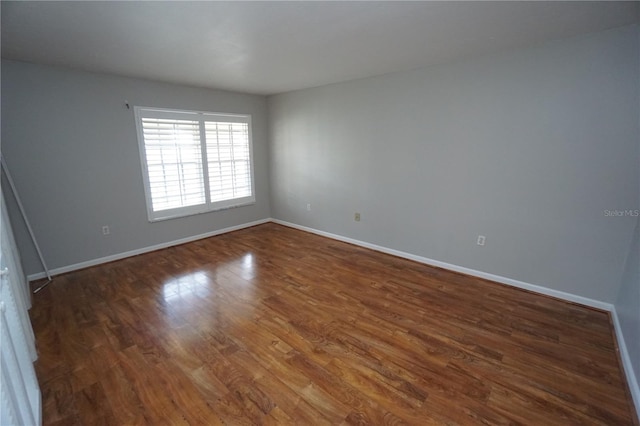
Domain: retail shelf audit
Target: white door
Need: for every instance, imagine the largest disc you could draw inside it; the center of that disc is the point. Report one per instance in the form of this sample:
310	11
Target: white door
20	402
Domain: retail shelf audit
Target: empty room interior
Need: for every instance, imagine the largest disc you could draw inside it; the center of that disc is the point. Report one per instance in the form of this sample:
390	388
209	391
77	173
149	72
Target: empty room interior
320	213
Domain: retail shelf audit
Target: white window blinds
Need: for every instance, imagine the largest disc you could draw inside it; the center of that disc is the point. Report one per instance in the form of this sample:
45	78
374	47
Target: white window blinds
174	163
194	161
229	160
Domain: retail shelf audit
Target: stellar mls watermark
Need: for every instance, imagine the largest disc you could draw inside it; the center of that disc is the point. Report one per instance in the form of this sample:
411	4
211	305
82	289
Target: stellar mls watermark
622	213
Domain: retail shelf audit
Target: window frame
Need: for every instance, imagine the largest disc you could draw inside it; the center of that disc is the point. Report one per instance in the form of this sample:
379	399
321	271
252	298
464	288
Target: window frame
201	117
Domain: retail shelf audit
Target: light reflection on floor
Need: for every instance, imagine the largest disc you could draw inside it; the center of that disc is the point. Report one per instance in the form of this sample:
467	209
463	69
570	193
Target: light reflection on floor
247	266
237	274
186	286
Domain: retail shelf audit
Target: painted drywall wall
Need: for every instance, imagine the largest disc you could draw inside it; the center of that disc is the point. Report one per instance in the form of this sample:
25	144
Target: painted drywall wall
70	144
528	148
628	305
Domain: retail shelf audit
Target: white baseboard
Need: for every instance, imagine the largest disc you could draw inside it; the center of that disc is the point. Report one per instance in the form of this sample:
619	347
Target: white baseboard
480	274
118	256
497	278
626	360
627	365
624	354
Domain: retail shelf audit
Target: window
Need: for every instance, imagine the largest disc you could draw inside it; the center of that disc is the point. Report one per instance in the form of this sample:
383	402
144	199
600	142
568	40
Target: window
194	162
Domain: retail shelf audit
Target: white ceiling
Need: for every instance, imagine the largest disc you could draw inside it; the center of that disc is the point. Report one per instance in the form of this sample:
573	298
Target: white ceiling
273	47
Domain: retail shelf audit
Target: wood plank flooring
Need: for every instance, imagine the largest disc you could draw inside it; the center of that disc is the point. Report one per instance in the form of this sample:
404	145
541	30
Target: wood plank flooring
270	325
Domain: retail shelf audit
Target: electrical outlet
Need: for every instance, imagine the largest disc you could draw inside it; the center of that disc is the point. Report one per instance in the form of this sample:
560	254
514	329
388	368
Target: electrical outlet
308	207
356	217
481	240
105	230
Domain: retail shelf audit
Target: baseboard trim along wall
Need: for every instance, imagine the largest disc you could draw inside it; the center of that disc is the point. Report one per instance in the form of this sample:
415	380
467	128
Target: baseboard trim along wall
624	354
118	256
634	387
627	366
449	266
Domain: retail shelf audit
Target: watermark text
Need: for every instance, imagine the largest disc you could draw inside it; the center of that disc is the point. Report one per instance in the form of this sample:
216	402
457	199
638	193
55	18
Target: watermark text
622	213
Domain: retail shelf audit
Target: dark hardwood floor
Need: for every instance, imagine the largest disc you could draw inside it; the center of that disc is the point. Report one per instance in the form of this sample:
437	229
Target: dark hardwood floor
271	325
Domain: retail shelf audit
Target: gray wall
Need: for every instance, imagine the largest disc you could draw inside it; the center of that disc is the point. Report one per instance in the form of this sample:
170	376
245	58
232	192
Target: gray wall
71	147
628	303
527	147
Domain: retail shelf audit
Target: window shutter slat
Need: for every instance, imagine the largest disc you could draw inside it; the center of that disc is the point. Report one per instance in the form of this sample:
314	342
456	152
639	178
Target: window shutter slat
228	154
174	161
